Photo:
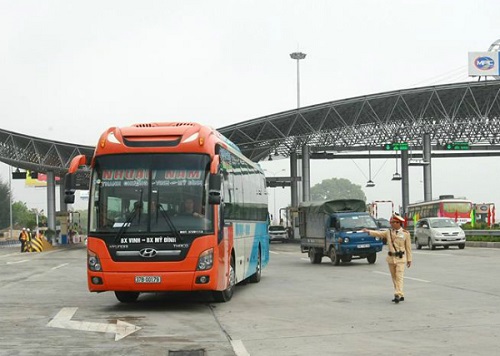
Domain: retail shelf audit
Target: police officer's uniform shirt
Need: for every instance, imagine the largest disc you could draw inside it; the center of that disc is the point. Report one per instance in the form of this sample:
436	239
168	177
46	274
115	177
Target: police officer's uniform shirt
400	240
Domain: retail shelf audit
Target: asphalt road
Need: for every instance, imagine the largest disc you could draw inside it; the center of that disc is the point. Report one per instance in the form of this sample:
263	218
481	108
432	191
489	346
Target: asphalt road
451	308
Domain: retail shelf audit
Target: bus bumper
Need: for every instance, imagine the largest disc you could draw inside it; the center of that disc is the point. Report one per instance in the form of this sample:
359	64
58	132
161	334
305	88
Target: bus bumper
151	281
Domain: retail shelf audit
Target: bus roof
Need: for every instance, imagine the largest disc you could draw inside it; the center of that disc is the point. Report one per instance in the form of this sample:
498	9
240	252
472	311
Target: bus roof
157	137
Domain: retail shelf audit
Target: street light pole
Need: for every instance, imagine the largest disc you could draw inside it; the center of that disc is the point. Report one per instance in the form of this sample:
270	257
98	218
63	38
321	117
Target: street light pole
10	199
298	56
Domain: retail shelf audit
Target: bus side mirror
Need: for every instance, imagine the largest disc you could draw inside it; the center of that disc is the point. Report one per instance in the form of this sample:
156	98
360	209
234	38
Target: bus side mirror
214	189
69	188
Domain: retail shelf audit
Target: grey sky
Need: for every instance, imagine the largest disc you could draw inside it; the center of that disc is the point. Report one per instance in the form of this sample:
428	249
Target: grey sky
71	69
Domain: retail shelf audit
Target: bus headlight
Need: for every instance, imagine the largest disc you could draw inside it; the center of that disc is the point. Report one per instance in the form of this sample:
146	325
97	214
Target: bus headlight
206	260
93	262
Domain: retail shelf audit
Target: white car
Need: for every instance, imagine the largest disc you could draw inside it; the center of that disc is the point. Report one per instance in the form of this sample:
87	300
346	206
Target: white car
434	232
277	233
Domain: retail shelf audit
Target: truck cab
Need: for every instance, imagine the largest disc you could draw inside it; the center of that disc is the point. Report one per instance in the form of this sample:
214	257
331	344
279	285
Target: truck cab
334	229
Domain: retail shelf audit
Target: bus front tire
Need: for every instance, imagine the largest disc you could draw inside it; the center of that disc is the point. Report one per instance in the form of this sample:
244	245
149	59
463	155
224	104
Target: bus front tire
127	297
227	294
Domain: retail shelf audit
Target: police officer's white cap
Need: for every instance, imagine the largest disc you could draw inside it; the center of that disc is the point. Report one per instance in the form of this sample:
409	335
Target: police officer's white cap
397	217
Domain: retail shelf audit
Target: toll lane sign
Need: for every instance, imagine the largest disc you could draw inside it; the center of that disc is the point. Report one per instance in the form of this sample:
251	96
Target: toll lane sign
396	146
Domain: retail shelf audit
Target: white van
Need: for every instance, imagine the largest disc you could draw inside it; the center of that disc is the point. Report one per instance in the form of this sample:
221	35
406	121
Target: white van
434	232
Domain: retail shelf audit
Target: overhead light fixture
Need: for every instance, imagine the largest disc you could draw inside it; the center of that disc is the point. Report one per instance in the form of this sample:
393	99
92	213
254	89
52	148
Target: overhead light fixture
370	184
396	176
418	163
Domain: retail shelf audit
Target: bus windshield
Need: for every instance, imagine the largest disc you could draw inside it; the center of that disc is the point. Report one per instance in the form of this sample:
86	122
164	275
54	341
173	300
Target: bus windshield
150	193
460	207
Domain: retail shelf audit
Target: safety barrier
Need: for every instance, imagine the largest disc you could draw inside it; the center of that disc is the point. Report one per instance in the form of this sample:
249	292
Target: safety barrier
37	244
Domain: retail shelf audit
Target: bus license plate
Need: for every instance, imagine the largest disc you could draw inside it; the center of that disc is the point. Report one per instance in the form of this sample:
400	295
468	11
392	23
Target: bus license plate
147	279
364	246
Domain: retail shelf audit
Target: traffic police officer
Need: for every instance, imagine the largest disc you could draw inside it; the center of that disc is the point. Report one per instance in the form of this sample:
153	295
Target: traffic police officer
399	244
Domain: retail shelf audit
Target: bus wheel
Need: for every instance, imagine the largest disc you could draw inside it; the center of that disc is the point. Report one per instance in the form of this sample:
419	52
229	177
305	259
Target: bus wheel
315	257
127	297
255	278
334	257
372	258
227	294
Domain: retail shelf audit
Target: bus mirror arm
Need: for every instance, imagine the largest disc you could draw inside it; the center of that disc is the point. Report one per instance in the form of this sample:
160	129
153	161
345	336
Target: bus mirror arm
214	189
69	191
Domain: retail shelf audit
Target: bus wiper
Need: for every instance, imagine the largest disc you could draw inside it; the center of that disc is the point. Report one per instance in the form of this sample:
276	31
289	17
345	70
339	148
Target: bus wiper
137	208
169	222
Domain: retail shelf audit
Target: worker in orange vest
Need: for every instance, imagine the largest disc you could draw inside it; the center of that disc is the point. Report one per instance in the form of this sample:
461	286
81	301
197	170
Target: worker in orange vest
24	238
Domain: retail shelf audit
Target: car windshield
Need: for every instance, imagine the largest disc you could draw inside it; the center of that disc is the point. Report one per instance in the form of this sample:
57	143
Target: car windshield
276	228
357	222
438	223
383	223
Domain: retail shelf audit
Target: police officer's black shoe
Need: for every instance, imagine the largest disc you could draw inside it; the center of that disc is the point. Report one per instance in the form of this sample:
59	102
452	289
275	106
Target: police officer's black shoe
396	299
402	299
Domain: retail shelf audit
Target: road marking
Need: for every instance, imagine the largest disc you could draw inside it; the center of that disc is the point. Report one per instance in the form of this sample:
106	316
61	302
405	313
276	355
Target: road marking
12	263
56	267
238	348
431	253
9	254
63	320
413	279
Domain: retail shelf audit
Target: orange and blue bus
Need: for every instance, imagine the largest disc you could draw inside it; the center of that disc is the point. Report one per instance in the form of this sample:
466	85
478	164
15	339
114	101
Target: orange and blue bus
141	238
458	209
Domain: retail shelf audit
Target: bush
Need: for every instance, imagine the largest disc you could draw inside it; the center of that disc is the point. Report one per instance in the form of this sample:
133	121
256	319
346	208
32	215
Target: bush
484	238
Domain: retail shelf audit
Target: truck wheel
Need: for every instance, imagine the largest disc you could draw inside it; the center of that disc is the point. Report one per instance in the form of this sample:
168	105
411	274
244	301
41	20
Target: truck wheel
334	257
372	258
347	258
314	256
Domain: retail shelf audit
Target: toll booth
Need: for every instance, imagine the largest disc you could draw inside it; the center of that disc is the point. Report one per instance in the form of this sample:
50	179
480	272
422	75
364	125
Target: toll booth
62	222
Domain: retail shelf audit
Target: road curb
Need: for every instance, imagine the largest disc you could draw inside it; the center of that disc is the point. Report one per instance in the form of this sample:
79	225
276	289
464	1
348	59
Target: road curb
482	244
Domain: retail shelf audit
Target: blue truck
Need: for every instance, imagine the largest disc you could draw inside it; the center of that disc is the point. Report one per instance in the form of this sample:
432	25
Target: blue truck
333	228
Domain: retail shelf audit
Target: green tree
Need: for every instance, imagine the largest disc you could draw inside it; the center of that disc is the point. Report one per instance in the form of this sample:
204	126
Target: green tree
22	216
4	205
337	188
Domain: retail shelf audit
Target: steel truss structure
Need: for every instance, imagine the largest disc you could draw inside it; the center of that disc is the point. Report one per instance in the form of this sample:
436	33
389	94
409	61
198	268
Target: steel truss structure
37	154
466	112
